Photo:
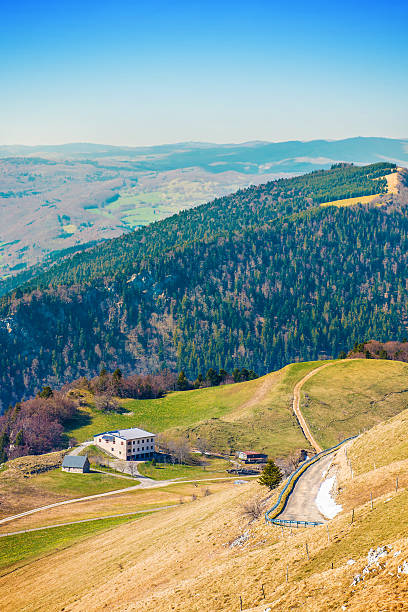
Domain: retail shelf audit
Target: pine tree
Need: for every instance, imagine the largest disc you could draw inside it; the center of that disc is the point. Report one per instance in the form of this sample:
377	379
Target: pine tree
182	382
270	476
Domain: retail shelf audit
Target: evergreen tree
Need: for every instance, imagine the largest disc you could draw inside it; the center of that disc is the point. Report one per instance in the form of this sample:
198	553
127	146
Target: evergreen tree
46	392
182	382
223	374
270	476
212	377
117	375
236	374
4	442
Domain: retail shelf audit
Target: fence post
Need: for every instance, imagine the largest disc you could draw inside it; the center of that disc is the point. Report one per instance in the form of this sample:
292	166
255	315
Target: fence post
396	484
307	551
287	573
240	602
328	535
263	591
352	516
371	499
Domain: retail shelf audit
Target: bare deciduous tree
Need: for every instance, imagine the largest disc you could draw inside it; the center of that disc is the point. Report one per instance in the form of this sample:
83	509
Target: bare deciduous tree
253	509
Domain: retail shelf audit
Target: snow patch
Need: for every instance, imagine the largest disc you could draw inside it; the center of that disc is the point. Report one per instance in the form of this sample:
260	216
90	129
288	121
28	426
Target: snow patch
324	501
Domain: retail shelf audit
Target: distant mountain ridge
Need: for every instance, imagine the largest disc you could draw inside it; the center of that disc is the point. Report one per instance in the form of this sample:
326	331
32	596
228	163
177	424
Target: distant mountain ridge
209	155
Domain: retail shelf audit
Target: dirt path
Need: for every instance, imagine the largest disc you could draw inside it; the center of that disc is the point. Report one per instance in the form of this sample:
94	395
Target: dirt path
269	382
296	407
157	484
98	518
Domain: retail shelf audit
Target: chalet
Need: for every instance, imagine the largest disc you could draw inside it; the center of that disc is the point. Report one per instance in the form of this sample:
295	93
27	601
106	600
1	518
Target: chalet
252	457
127	444
75	463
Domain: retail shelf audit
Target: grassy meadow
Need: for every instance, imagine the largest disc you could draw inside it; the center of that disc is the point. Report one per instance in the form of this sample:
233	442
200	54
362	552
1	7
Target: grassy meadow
20	493
15	549
353	395
338	402
215	468
256	414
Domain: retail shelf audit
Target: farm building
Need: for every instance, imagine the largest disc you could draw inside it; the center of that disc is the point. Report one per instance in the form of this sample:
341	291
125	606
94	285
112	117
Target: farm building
127	444
72	463
252	457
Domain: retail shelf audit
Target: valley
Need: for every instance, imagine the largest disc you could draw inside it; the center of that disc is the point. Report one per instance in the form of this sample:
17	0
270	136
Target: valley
62	199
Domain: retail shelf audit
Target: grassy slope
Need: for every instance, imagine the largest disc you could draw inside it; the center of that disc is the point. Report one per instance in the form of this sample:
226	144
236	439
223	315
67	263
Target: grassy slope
338	402
131	501
215	468
191	567
24	547
19	493
176	409
180	559
353	395
255	414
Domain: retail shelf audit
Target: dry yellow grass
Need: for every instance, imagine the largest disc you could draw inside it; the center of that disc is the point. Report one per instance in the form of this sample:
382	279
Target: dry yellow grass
351	201
393	181
181	560
142	499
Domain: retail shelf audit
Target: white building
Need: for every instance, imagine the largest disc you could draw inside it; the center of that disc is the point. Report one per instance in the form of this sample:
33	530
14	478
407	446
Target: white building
127	444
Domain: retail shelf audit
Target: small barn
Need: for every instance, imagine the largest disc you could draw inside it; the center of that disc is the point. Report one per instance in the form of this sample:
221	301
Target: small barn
75	463
252	457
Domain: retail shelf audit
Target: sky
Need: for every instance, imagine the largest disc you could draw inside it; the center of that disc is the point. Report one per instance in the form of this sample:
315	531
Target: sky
142	73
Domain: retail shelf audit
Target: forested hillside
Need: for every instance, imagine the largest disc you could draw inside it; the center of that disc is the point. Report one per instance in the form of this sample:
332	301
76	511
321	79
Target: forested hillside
257	279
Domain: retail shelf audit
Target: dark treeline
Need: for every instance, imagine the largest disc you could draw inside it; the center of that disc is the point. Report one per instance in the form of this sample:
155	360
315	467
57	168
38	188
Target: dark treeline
257	279
372	349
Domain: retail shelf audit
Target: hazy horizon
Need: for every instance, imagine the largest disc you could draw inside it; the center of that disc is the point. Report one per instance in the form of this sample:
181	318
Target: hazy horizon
195	142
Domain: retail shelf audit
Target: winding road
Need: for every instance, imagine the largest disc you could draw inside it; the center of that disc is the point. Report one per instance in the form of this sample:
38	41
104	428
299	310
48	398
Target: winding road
301	504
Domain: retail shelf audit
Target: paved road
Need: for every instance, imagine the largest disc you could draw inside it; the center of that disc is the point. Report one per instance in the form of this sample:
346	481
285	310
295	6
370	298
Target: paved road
98	518
296	408
301	503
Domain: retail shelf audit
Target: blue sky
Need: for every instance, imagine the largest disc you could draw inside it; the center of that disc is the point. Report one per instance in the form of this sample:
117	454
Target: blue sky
139	72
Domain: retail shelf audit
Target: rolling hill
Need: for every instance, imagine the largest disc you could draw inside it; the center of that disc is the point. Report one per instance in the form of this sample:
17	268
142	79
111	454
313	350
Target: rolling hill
260	278
191	557
347	397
